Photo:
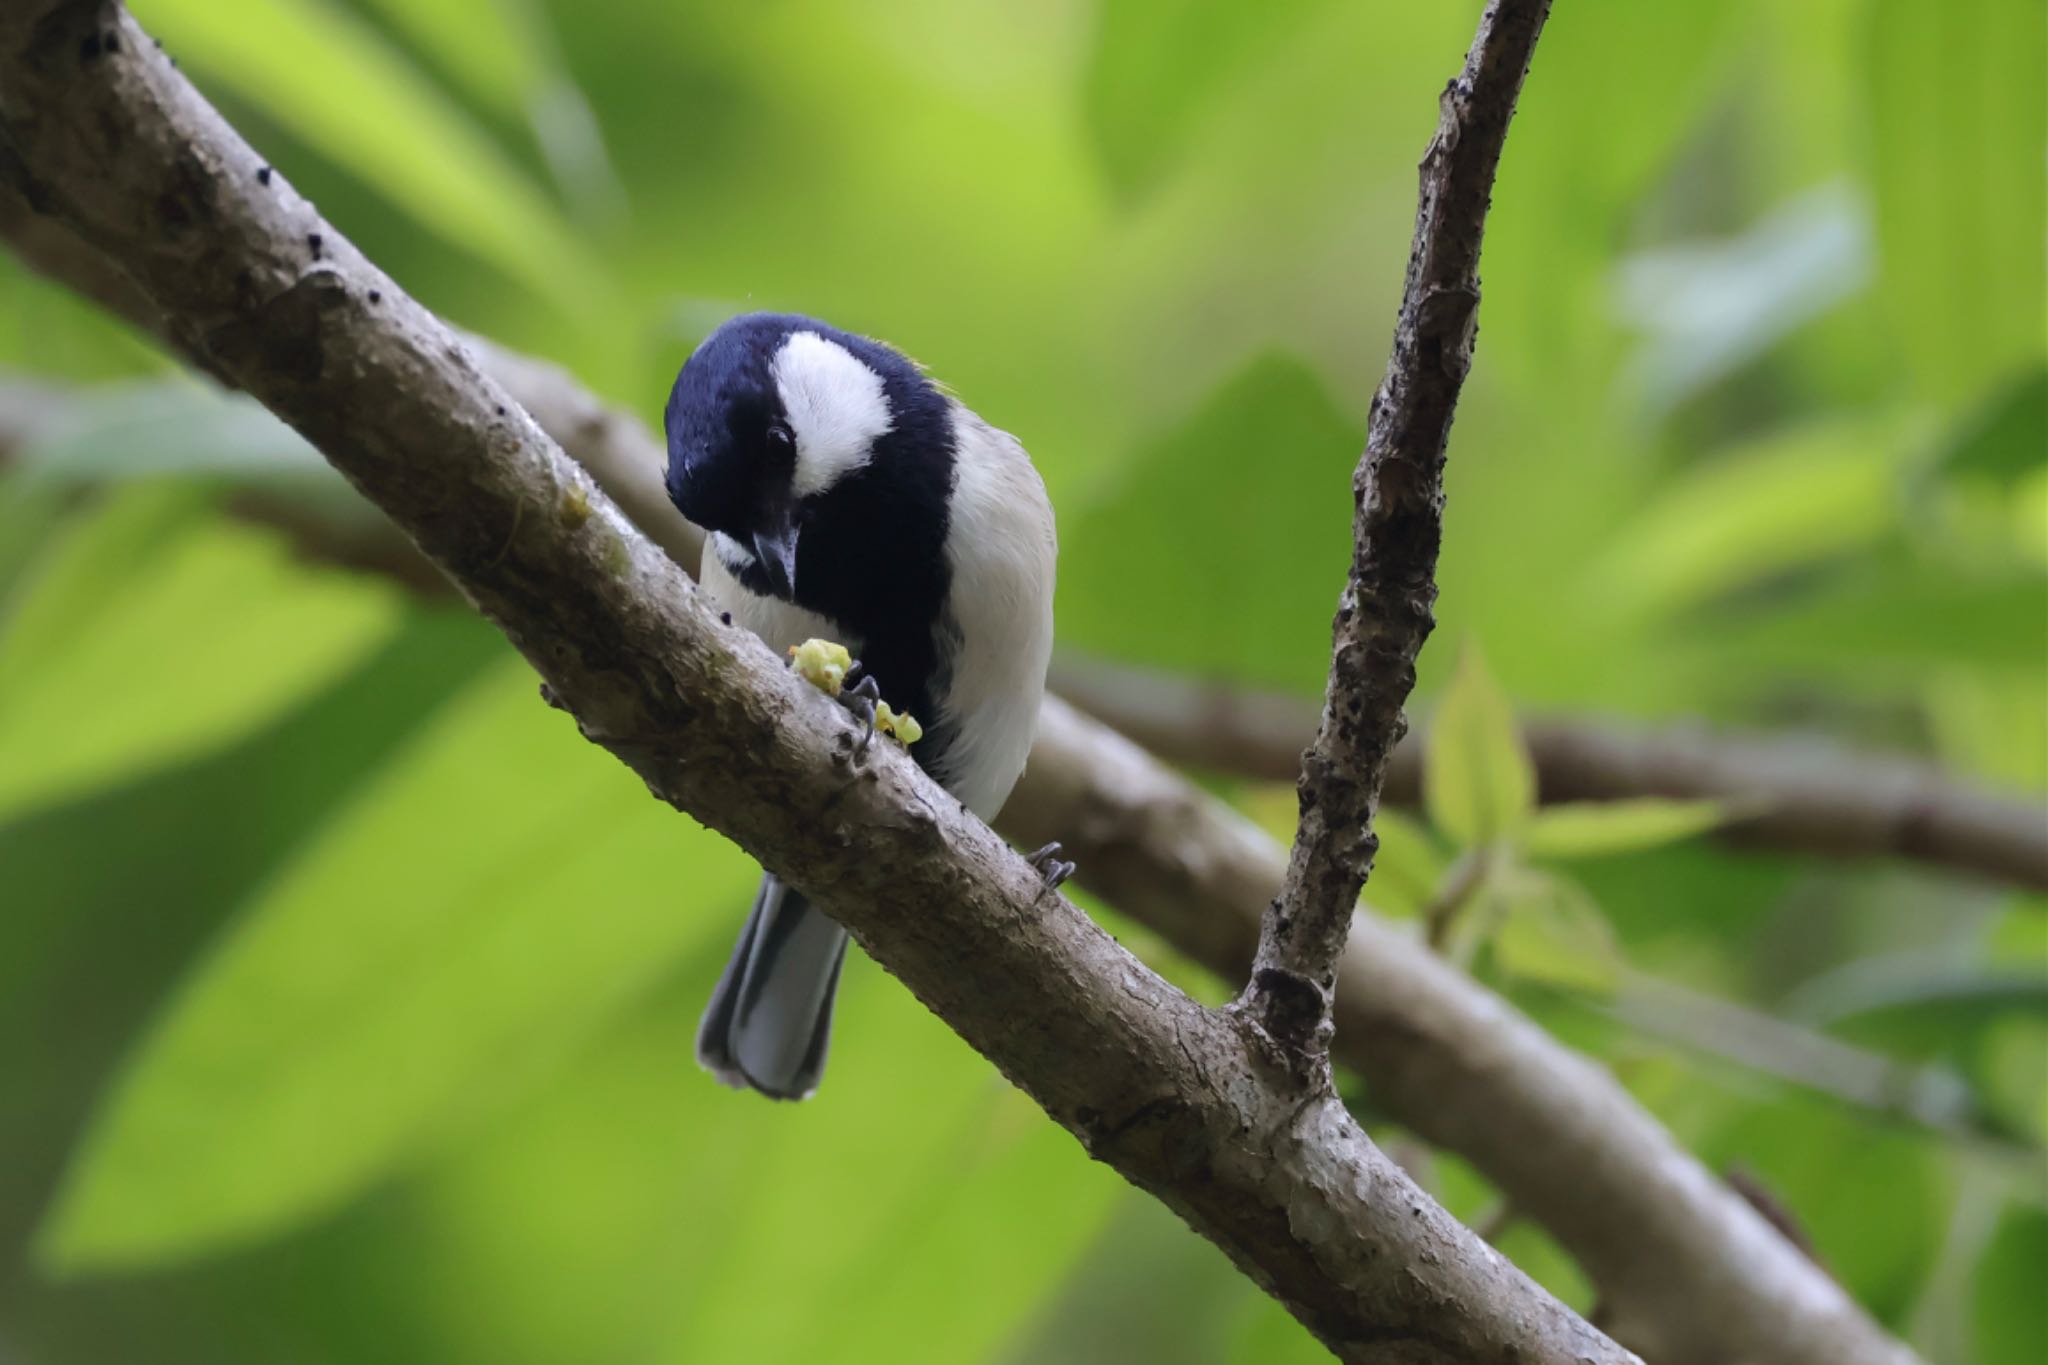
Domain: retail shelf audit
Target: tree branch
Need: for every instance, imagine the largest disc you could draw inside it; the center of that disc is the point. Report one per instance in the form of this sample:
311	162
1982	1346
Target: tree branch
1693	1274
1385	611
101	133
1809	796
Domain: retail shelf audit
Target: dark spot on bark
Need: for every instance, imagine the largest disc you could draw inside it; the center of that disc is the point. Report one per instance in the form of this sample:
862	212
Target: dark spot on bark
284	334
263	175
187	200
1290	1006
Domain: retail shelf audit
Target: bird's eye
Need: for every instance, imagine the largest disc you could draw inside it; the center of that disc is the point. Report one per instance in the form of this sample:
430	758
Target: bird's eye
781	444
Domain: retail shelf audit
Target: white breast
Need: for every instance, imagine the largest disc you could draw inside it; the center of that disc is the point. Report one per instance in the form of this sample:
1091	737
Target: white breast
1003	549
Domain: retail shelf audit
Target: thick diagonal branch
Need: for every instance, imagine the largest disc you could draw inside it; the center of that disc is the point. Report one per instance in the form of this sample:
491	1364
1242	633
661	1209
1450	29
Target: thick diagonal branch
1385	611
99	131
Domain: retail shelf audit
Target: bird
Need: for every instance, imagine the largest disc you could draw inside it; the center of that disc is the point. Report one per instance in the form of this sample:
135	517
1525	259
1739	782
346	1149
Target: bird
846	496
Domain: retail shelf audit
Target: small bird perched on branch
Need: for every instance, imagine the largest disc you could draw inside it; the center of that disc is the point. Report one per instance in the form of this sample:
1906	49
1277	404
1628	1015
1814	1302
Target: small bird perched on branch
849	498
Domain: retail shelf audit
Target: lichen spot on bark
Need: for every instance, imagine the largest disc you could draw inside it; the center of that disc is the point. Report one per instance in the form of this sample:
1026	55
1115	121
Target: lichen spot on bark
575	508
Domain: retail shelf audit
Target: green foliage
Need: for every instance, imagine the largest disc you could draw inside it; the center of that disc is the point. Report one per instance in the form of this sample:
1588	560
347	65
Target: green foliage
2009	1315
1408	867
1798	498
1228	514
1549	931
346	996
1592	829
1958	101
150	631
387	984
322	75
1477	780
1156	68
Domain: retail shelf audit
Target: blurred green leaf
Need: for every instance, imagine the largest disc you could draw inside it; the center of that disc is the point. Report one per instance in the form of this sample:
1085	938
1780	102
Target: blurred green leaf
1710	308
1869	1197
1957	98
1880	624
1594	829
1150	1288
1270	1335
1221	547
2010	1318
1550	931
1012	1217
1985	497
110	897
1477	781
1409	866
502	53
980	1191
152	630
1792	499
1156	65
1912	982
1992	724
31	517
497	50
172	426
2011	1073
2006	438
327	78
408	971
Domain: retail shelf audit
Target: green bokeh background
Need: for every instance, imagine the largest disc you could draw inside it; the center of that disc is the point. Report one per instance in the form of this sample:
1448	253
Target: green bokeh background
346	996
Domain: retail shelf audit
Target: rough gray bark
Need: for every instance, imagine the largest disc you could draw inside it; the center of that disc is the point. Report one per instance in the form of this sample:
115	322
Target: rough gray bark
1692	1274
1386	609
99	131
1805	794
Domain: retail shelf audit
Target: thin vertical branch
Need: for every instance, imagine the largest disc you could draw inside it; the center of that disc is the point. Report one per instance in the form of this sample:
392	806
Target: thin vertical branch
1385	612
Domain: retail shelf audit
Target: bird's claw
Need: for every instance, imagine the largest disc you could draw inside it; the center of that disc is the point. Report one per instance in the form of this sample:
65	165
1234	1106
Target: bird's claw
1051	866
860	699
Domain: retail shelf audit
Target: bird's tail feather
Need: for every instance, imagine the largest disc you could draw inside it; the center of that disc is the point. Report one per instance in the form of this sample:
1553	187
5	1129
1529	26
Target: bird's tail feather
770	1019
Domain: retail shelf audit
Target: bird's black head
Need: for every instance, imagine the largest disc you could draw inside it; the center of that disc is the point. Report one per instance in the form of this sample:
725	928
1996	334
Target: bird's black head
824	456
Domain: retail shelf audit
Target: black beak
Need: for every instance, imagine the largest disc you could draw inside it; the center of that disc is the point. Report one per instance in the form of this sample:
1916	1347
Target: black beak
775	552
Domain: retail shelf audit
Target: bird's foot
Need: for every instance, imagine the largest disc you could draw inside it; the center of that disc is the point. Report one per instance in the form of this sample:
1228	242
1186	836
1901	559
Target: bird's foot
861	699
1051	866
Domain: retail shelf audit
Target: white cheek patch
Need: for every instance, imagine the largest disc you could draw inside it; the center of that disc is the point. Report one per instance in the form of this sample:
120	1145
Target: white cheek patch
835	406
